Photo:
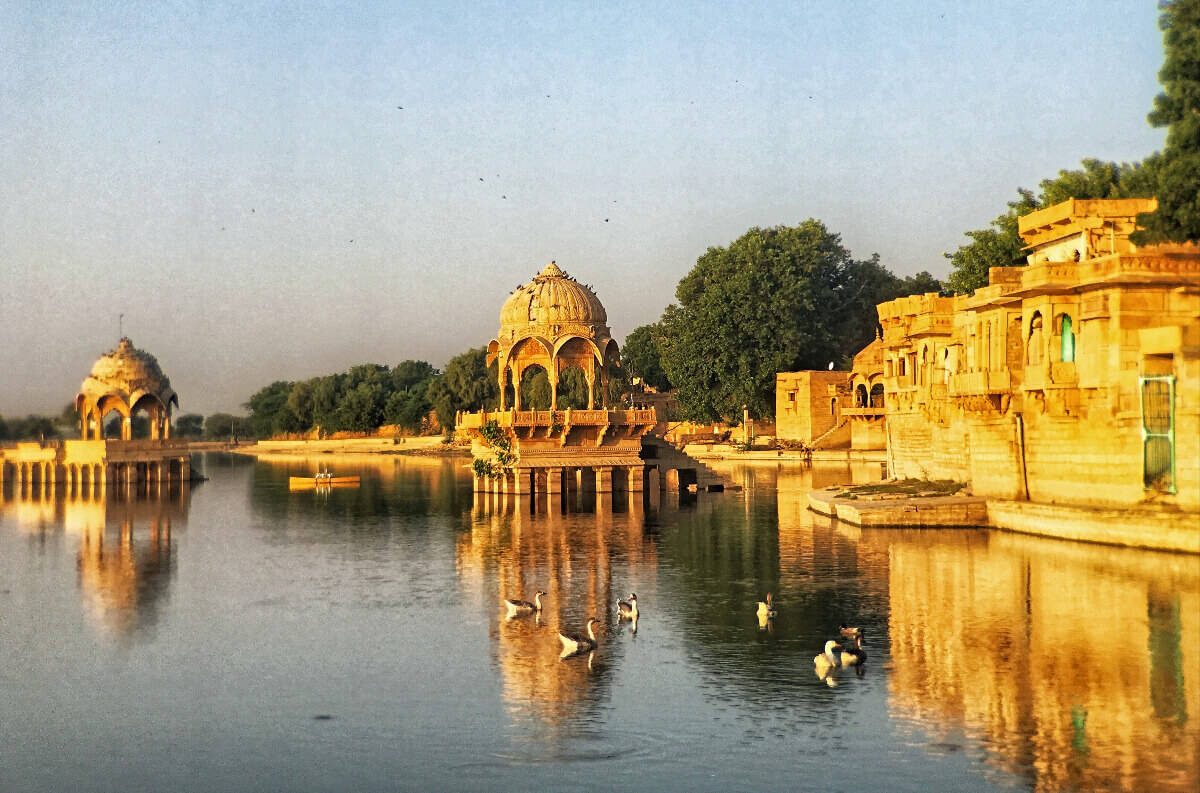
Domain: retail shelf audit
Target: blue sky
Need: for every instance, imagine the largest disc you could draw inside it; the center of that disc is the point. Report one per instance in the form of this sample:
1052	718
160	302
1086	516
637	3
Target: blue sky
240	181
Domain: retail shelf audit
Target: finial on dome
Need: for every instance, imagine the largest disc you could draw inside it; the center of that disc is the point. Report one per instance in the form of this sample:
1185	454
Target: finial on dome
552	271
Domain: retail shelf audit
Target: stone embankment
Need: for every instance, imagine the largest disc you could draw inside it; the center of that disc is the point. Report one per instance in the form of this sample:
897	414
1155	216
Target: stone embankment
1150	526
420	445
896	510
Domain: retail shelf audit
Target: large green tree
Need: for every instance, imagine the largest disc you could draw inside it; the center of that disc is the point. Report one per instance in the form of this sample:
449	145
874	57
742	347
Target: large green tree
269	412
775	300
1177	108
640	357
1000	244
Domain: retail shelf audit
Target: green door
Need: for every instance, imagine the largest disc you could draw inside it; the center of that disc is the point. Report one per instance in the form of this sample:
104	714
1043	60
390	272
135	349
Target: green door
1158	432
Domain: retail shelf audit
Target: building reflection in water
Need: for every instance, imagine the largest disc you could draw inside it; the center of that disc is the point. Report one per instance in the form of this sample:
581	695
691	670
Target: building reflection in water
568	547
125	556
1078	664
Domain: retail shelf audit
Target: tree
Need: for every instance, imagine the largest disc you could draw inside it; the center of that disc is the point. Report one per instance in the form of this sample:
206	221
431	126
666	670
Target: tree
774	300
223	426
361	409
1177	108
466	383
408	405
326	395
269	413
640	357
1001	244
189	425
920	284
300	402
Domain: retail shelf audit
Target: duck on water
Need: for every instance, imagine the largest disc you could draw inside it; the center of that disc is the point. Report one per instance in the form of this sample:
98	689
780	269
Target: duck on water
575	643
520	608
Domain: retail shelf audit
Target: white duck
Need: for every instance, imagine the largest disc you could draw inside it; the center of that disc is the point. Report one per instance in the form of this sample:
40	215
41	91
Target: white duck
827	661
573	643
766	609
520	608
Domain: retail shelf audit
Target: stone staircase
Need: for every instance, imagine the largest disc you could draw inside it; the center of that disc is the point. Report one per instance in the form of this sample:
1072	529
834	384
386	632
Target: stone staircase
827	434
668	458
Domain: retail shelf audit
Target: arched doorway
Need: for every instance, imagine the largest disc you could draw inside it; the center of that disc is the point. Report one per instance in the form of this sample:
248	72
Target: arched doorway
535	388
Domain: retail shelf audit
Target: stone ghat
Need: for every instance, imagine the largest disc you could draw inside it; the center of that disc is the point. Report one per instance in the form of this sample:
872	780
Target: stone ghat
899	511
1150	526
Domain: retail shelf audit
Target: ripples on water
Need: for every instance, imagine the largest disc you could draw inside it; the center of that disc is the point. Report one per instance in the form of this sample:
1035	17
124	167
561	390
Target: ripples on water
240	637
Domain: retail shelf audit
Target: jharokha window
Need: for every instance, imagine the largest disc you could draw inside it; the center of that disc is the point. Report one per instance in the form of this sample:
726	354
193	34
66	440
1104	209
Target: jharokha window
1033	350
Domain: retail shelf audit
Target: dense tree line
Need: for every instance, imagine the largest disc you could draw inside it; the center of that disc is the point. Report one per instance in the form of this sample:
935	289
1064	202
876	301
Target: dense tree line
774	300
31	428
371	395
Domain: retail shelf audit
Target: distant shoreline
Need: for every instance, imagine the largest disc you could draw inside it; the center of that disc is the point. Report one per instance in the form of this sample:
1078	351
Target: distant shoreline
425	446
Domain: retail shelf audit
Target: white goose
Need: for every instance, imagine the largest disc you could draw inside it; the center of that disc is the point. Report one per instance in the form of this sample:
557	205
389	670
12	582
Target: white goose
573	643
520	608
827	661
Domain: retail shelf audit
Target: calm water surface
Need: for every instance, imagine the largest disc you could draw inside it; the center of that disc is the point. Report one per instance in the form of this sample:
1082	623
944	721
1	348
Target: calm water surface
238	637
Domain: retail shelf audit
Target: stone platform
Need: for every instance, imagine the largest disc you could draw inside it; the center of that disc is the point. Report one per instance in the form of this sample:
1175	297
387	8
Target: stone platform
888	511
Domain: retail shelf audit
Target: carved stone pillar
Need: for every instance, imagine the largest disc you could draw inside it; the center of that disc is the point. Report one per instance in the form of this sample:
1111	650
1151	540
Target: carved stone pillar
554	481
637	475
604	478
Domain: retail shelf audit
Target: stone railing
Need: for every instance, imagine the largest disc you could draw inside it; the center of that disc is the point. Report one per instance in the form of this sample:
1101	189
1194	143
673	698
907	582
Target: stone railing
1063	373
942	324
146	445
974	383
863	412
548	418
1042	275
1058	374
1182	265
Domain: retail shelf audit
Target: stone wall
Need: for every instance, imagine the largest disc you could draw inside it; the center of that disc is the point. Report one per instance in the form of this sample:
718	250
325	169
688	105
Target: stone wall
1033	386
802	403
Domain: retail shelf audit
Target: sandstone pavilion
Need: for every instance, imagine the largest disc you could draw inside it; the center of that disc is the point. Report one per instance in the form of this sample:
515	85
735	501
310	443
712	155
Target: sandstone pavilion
547	327
126	382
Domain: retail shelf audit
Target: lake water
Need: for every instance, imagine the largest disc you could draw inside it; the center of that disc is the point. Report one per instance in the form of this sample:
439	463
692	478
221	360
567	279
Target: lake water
238	637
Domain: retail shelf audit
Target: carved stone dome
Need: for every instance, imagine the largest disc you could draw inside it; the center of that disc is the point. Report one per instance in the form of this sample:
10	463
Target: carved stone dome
551	298
129	373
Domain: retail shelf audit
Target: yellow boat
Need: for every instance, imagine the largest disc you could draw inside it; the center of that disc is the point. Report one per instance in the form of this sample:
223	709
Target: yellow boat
320	481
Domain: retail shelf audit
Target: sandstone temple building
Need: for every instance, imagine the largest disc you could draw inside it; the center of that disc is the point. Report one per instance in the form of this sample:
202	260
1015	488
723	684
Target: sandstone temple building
1063	389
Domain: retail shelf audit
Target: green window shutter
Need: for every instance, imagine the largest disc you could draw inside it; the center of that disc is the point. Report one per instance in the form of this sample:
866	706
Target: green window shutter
1158	431
1068	341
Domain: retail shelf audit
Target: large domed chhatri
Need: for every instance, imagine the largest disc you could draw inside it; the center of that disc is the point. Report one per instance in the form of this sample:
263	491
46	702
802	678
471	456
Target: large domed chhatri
127	380
548	326
551	298
553	323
